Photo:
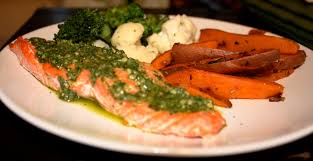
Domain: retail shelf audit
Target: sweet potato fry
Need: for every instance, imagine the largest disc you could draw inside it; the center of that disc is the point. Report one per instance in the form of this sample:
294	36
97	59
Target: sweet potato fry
166	58
206	44
173	68
180	66
227	86
288	61
282	68
246	43
217	100
247	64
188	53
256	32
162	60
252	64
274	76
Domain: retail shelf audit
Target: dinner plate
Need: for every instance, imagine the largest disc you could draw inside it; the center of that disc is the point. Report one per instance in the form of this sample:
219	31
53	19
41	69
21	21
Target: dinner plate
252	125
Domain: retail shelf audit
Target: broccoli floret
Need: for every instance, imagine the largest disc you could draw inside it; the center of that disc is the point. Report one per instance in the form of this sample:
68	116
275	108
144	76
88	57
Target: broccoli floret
119	15
84	26
151	23
89	25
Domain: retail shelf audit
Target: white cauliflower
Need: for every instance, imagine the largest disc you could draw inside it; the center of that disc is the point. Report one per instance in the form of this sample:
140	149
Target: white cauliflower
100	43
127	38
178	29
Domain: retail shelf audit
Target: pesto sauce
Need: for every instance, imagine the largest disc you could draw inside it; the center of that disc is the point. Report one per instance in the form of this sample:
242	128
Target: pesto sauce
95	107
101	62
65	93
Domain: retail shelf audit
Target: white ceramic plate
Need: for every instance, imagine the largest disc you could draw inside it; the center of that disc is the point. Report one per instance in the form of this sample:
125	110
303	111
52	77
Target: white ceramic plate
252	124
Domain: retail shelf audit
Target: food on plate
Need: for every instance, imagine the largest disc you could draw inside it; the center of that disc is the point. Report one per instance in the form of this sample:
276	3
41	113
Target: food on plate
274	76
162	60
166	58
248	43
245	64
178	29
123	86
89	25
141	36
256	32
193	52
284	67
290	61
217	100
239	67
105	56
231	87
127	38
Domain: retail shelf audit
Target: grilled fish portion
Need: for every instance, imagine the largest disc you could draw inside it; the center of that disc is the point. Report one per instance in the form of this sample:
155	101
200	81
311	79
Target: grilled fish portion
149	114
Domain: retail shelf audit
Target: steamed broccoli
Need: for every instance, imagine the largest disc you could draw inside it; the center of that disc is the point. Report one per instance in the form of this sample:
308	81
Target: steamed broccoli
89	25
151	23
118	15
85	26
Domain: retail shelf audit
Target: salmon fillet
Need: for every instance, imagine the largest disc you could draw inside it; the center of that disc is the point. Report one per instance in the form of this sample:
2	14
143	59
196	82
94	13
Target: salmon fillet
137	114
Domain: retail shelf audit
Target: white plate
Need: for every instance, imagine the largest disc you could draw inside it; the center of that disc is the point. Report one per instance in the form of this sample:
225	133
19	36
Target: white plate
252	124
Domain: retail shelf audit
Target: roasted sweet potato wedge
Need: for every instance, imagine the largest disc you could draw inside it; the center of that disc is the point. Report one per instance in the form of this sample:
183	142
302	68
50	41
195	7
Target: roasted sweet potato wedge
282	68
256	32
247	64
227	86
217	100
187	53
287	61
206	44
274	76
162	60
246	43
166	58
176	67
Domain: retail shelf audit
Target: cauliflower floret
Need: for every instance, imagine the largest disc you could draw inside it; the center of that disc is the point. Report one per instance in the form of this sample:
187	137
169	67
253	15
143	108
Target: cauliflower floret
160	41
141	53
179	29
100	43
127	38
127	34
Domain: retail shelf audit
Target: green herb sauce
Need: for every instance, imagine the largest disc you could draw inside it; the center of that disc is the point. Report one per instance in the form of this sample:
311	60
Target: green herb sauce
65	92
101	62
95	107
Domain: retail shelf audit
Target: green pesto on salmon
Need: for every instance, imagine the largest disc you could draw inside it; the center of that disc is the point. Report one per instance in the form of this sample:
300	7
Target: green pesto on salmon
101	62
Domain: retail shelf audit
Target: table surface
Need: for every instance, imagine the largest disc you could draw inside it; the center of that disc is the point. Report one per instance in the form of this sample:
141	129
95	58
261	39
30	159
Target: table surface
23	141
